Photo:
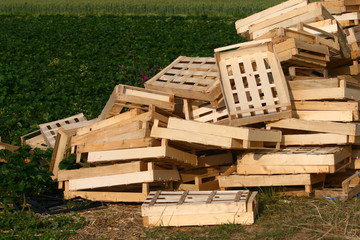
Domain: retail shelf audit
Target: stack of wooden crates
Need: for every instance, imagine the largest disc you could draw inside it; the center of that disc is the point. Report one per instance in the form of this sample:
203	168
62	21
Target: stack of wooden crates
281	109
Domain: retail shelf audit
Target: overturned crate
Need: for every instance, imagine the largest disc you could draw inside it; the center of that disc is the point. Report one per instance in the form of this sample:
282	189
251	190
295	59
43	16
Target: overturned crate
188	208
189	77
125	96
126	182
253	83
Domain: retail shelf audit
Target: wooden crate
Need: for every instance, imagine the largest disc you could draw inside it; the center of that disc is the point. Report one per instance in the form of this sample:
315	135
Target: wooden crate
35	140
342	6
242	25
212	136
311	139
353	39
236	180
293	160
61	149
281	34
327	111
346	129
355	158
49	130
200	179
350	188
189	77
323	89
206	112
348	19
253	83
188	208
327	28
128	193
131	125
116	175
125	96
160	154
310	13
294	52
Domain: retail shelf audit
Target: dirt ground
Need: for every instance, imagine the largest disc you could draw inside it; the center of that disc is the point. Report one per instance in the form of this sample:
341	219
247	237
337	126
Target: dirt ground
112	221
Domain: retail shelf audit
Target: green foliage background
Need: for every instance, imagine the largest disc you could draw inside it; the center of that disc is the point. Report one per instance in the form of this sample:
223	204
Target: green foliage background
238	8
53	67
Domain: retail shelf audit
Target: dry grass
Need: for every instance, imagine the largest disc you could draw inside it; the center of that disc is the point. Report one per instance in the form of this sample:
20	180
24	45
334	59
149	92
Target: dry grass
280	218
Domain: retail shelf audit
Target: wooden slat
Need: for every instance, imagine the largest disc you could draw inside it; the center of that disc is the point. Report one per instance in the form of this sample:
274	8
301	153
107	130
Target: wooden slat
268	180
106	196
297	156
250	134
163	153
352	129
123	179
98	171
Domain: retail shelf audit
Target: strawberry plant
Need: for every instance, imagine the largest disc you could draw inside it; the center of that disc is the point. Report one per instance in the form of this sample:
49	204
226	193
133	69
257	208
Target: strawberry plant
24	172
53	67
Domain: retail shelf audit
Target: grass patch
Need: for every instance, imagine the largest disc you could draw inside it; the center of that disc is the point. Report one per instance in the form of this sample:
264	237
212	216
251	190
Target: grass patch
27	225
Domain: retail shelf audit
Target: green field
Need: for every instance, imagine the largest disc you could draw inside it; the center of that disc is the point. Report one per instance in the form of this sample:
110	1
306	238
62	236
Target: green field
53	67
238	8
61	57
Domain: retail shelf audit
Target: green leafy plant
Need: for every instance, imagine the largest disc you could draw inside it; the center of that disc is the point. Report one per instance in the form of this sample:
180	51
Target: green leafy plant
26	171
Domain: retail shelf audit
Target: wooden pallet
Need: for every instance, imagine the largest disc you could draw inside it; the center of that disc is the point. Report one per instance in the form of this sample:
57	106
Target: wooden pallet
322	89
310	13
299	53
253	83
49	130
335	111
236	180
189	77
350	188
189	208
206	112
125	96
212	136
